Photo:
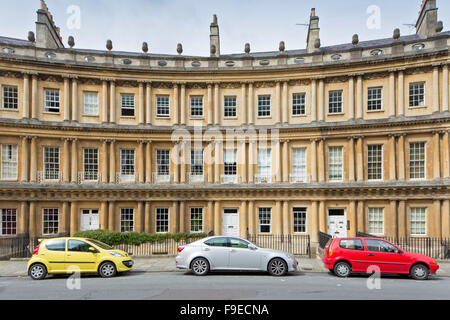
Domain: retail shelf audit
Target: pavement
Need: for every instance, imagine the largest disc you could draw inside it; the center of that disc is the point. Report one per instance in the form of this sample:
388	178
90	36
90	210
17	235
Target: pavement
18	267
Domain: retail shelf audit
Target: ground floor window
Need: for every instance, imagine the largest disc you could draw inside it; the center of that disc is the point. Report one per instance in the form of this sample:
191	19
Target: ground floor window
265	219
8	220
50	221
196	220
418	221
162	220
126	220
376	220
299	220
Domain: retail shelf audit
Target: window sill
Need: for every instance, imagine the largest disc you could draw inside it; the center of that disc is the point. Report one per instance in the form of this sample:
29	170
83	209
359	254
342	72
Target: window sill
299	115
230	118
375	111
10	110
162	117
50	112
128	117
91	115
197	118
417	107
335	114
264	117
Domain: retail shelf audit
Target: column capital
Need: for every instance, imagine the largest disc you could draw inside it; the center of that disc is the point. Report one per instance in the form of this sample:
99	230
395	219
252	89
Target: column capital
30	73
438	132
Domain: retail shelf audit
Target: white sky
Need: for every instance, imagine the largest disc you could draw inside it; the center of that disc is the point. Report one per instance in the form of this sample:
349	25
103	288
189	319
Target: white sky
262	23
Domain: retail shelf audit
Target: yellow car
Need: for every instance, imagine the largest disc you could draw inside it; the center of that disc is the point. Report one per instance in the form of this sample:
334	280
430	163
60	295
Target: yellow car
70	255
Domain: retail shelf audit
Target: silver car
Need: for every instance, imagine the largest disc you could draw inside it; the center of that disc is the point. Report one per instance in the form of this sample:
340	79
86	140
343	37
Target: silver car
231	253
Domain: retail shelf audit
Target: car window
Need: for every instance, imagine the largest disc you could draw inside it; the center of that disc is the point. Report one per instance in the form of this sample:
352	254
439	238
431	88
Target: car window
380	246
56	245
217	242
101	244
351	244
78	245
238	243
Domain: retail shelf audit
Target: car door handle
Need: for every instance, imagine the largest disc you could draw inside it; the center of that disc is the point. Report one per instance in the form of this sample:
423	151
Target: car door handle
206	249
371	255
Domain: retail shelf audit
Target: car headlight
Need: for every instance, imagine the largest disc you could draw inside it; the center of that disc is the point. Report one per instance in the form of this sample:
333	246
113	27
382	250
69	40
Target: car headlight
115	254
434	261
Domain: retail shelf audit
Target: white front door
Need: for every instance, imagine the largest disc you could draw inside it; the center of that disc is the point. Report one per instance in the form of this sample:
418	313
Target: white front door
89	219
230	222
337	223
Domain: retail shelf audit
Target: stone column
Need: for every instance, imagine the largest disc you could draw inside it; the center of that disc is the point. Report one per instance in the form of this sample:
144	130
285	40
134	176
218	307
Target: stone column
277	108
401	94
216	105
182	216
277	215
323	227
285	157
436	219
34	96
66	99
244	103
436	107
360	158
251	161
242	160
446	154
139	226
141	161
65	218
141	104
183	104
401	157
209	104
314	232
243	220
32	225
173	221
26	96
104	161
351	159
74	160
26	159
351	97
33	159
321	104
217	219
148	220
209	161
104	101
445	226
74	99
286	220
360	222
392	94
175	103
210	217
183	163
321	160
104	215
437	155
112	216
251	107
313	160
285	105
359	98
22	219
313	100
251	217
217	160
176	167
445	106
148	162
354	222
73	218
391	154
66	161
148	103
276	165
400	213
112	101
112	161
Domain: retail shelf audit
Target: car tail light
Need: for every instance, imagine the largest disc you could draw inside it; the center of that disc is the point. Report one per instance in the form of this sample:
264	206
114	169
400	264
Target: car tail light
180	249
36	250
330	252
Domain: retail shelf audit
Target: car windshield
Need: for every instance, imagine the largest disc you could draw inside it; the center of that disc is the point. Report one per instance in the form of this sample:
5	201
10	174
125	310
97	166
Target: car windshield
101	244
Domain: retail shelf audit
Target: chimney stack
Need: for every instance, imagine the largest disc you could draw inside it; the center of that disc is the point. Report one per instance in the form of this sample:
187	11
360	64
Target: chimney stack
427	23
214	38
313	33
47	33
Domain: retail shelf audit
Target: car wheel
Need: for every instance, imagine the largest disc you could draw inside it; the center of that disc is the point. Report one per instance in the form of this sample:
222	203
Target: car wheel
200	266
37	271
107	270
420	272
277	267
342	269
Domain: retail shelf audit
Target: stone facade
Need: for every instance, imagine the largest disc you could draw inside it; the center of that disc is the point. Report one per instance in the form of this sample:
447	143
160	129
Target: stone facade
376	101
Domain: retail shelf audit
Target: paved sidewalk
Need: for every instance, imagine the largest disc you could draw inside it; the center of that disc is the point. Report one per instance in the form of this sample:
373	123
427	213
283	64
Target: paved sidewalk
17	267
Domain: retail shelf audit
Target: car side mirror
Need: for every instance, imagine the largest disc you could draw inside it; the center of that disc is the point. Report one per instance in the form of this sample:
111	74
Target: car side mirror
93	250
252	247
400	252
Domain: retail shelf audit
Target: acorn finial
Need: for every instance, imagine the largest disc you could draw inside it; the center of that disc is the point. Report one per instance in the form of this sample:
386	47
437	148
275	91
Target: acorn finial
213	49
71	42
355	39
145	47
31	36
317	43
109	45
439	27
396	34
282	46
247	48
180	48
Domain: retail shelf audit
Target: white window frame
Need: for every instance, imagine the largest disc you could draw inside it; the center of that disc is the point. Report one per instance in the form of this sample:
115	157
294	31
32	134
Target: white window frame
127	103
197	167
4	213
125	213
9	162
419	92
125	174
264	168
13	101
411	220
161	221
339	162
370	161
264	106
335	102
299	165
298	104
162	154
197	107
267	212
230	107
300	210
162	103
194	214
90	100
49	173
91	174
375	96
412	162
52	100
375	215
44	220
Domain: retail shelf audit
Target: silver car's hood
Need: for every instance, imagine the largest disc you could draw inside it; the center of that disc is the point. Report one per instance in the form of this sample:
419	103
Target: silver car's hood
272	251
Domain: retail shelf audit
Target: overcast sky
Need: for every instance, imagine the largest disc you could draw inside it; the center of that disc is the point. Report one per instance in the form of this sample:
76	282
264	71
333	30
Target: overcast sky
262	23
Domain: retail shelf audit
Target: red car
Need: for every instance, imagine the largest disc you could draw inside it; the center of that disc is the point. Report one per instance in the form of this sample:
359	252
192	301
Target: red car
342	256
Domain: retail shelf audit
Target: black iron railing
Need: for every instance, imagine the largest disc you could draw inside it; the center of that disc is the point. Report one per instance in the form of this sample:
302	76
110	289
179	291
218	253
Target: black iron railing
15	246
323	239
294	244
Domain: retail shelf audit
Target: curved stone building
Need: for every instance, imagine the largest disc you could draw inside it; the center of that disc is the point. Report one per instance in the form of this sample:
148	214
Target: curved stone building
339	139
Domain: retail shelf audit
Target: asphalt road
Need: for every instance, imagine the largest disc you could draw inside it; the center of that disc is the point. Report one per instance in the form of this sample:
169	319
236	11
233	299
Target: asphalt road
223	286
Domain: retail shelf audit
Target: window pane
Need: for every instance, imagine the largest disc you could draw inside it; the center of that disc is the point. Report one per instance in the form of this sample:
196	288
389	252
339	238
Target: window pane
127	105
264	219
162	106
8	220
126	162
126	220
417	94
375	162
91	103
374	99
9	162
376	220
335	102
196	220
51	163
230	107
162	162
418	221
299	165
162	220
335	164
50	221
197	106
298	104
90	164
299	219
10	97
417	160
263	106
51	100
